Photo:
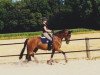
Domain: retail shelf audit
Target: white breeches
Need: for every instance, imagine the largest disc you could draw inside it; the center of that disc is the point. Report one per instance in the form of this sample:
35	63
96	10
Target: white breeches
48	36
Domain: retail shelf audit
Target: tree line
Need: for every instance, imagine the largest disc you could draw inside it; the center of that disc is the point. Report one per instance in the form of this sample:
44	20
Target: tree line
26	15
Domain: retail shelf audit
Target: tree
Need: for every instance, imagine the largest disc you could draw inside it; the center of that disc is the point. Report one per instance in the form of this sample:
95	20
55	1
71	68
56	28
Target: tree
1	25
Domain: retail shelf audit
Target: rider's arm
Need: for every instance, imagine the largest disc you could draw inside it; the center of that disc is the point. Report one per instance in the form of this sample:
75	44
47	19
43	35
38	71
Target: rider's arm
47	30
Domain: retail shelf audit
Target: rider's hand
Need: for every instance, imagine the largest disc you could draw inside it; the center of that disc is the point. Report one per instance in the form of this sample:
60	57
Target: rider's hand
52	31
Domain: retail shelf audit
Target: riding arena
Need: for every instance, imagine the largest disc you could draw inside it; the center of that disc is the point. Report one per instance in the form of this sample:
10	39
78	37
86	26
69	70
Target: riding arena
82	52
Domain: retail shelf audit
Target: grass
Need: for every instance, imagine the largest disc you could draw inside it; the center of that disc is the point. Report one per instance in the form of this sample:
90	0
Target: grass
31	34
19	35
82	31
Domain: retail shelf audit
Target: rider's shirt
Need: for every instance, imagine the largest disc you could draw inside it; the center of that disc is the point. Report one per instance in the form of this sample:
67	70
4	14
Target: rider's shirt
45	29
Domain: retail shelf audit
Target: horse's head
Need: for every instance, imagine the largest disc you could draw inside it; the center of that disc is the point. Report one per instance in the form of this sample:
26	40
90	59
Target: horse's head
67	35
64	34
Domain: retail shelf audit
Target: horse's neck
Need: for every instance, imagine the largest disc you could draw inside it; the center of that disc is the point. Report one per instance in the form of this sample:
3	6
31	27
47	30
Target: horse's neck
60	36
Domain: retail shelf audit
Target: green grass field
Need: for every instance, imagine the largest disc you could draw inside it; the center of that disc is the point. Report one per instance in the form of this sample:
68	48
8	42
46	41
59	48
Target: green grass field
31	34
19	35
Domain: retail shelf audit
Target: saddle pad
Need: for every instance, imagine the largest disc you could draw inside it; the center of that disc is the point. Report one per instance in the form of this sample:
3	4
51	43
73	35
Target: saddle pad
44	40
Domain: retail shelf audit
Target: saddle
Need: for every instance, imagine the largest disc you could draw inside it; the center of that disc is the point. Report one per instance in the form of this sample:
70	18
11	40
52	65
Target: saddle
44	40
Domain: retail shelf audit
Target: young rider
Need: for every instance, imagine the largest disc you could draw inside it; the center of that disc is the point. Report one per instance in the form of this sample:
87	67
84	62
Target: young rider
47	32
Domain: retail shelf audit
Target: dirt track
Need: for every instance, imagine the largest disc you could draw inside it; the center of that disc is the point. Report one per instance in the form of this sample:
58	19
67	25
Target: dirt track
77	67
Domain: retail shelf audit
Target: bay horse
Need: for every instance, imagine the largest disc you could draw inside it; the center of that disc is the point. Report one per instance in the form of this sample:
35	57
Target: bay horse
33	44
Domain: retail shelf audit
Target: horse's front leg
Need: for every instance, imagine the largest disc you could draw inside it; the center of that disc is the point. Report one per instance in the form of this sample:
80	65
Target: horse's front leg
64	55
51	59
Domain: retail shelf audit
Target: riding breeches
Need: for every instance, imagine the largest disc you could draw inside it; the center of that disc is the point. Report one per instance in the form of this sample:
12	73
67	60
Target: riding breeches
48	36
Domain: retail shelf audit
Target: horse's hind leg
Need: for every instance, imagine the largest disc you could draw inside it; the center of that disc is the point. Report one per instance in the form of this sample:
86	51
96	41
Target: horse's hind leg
35	58
35	50
28	57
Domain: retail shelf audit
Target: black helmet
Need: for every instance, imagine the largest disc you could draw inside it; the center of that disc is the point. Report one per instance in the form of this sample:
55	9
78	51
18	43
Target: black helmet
44	19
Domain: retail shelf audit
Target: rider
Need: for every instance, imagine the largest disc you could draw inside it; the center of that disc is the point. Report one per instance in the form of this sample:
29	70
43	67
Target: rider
47	32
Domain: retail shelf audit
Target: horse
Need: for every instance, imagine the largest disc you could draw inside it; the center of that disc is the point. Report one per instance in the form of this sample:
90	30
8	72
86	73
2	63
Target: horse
34	43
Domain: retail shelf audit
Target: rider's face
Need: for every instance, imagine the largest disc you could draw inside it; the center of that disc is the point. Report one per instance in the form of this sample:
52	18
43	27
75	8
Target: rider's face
44	22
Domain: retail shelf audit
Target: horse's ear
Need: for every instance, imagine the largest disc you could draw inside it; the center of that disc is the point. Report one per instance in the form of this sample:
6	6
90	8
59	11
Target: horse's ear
69	31
65	29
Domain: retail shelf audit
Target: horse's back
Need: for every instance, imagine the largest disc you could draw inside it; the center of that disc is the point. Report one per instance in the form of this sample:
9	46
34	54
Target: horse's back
33	40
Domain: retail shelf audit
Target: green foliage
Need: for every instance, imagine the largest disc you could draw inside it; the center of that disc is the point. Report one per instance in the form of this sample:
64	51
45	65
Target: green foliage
26	15
1	25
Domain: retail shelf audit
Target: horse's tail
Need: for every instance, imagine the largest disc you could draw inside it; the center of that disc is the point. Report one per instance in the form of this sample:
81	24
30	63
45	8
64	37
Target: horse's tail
21	54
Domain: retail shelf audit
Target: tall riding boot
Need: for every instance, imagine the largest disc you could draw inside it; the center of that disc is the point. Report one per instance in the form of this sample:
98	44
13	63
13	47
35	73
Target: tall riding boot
50	45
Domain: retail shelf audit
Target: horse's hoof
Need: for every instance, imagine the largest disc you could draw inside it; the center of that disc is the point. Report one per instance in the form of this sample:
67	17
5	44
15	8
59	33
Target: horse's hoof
48	62
20	60
56	62
37	62
66	61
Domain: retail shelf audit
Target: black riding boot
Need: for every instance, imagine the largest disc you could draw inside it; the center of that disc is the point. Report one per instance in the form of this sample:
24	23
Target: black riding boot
50	45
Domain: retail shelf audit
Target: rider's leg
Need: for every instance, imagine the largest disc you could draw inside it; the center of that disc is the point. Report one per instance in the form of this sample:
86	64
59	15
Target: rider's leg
50	38
47	36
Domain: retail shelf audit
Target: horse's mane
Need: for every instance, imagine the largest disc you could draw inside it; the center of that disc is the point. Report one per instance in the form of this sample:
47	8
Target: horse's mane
59	32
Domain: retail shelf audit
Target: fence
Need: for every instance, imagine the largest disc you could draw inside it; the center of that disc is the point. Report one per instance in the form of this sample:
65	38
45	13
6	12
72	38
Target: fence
88	50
